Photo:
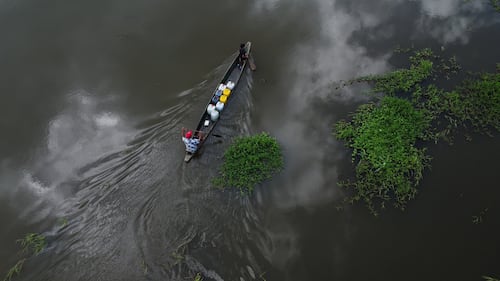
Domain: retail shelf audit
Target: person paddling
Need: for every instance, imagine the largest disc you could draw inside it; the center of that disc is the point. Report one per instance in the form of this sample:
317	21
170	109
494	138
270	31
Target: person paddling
242	56
190	142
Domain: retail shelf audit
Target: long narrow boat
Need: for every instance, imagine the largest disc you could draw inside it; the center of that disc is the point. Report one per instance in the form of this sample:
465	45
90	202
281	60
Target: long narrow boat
220	98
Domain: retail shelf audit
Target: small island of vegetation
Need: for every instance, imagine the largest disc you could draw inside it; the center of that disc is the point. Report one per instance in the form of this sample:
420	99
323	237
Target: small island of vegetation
32	244
388	136
250	161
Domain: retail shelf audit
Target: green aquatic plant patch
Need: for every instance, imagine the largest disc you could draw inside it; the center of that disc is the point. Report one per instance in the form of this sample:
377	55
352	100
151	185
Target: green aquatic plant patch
386	136
474	104
32	244
496	5
403	80
388	164
15	270
477	102
249	161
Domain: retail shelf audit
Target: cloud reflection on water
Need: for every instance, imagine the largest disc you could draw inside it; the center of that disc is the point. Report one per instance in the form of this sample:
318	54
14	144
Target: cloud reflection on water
82	133
450	21
332	56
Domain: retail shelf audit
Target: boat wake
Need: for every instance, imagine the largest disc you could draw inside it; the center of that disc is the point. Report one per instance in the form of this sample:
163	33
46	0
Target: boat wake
142	210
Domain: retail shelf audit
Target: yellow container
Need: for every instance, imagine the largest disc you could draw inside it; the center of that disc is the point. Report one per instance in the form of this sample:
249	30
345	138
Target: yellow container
226	92
223	98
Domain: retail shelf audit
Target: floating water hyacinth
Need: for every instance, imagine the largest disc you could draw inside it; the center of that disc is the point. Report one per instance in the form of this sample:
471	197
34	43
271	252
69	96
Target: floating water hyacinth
383	134
249	161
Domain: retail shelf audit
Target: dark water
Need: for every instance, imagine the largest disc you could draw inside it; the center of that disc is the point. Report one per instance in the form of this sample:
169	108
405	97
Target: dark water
94	94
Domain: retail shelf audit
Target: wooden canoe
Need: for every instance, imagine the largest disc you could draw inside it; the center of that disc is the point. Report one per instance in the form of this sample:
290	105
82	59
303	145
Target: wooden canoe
206	125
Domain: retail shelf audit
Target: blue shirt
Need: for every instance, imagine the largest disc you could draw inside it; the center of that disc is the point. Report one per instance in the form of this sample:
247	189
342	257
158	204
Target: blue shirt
191	144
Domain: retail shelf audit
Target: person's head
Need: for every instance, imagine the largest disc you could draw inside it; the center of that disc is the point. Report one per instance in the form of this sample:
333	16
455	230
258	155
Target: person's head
242	45
189	134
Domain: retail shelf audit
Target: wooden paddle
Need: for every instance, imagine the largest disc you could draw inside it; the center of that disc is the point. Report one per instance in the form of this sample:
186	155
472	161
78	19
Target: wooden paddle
251	63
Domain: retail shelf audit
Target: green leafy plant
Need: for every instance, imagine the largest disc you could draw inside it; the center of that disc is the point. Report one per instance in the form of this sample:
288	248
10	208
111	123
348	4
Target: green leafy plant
399	80
477	101
63	222
495	4
474	104
198	277
249	161
33	242
15	270
383	137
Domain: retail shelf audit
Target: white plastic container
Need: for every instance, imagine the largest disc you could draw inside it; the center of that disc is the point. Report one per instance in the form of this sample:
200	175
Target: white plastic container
230	85
222	87
214	115
219	106
210	108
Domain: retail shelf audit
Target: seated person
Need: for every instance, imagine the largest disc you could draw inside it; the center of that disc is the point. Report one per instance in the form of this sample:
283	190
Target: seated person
190	142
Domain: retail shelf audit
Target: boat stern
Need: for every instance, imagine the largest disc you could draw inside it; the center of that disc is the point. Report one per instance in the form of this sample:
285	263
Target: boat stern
188	156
